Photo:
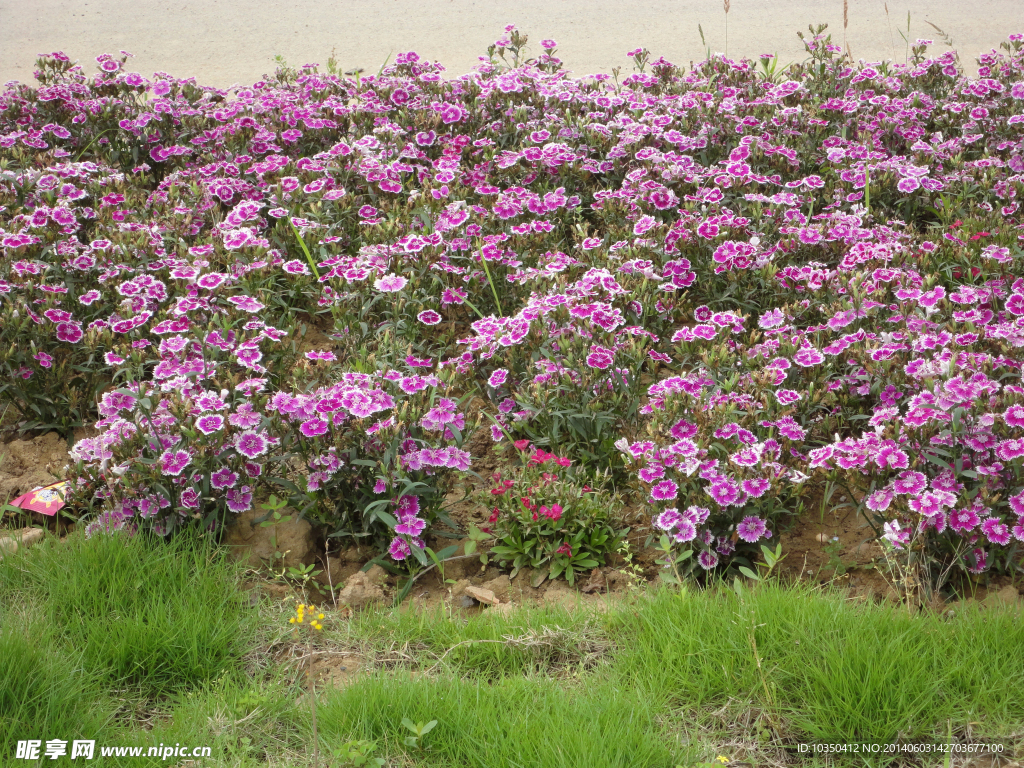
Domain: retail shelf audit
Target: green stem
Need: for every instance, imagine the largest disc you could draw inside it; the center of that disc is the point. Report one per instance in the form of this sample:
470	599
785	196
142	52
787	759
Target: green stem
494	290
94	138
867	190
305	250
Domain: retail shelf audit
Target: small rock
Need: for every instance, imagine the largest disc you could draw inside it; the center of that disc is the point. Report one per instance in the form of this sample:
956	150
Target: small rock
596	583
26	537
257	544
501	587
1008	595
466	601
822	538
482	595
362	589
332	571
459	587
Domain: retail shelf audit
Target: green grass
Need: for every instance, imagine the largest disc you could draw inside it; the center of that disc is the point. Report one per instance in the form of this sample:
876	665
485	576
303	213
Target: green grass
136	642
833	670
44	689
145	613
516	721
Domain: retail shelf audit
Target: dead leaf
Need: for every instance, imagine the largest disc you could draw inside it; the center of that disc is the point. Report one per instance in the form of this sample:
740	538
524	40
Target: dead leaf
596	583
482	595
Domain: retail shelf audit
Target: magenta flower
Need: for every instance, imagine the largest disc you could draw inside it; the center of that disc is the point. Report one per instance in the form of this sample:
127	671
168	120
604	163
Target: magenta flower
210	424
896	534
390	283
757	487
751	529
246	303
313	427
664	491
1014	416
909	483
652	473
685	532
498	378
600	357
963	520
996	531
251	444
429	317
411	526
399	548
787	396
707	560
239	499
173	462
668	519
223	478
879	501
808	357
69	332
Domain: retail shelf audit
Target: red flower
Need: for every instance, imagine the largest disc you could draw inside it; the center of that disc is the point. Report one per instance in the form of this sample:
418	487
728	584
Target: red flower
565	549
521	445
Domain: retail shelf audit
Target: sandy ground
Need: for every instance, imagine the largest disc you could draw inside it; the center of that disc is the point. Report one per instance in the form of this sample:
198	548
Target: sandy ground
222	42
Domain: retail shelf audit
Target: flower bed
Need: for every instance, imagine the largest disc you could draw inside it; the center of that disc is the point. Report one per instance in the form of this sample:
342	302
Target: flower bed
716	286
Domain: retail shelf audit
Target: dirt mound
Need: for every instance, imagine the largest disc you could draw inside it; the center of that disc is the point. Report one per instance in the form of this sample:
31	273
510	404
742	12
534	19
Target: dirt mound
30	463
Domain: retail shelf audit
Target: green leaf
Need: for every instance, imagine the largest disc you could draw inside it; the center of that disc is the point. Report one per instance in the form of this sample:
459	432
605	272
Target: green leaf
749	573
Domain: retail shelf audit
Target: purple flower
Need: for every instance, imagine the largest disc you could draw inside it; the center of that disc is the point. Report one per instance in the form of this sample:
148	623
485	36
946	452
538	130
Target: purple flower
429	317
223	478
787	396
173	462
239	499
909	483
313	427
808	357
1018	530
908	185
69	332
996	531
380	486
963	520
652	473
896	534
1014	416
725	492
751	529
879	501
685	532
668	519
411	526
664	491
498	377
757	487
390	283
600	357
399	549
246	303
251	444
210	424
707	560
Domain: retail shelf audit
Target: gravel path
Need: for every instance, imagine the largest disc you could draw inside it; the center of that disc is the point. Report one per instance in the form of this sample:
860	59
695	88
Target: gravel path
230	41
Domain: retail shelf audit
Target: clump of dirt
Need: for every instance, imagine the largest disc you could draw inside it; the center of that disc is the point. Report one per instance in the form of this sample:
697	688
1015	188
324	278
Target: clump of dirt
29	463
